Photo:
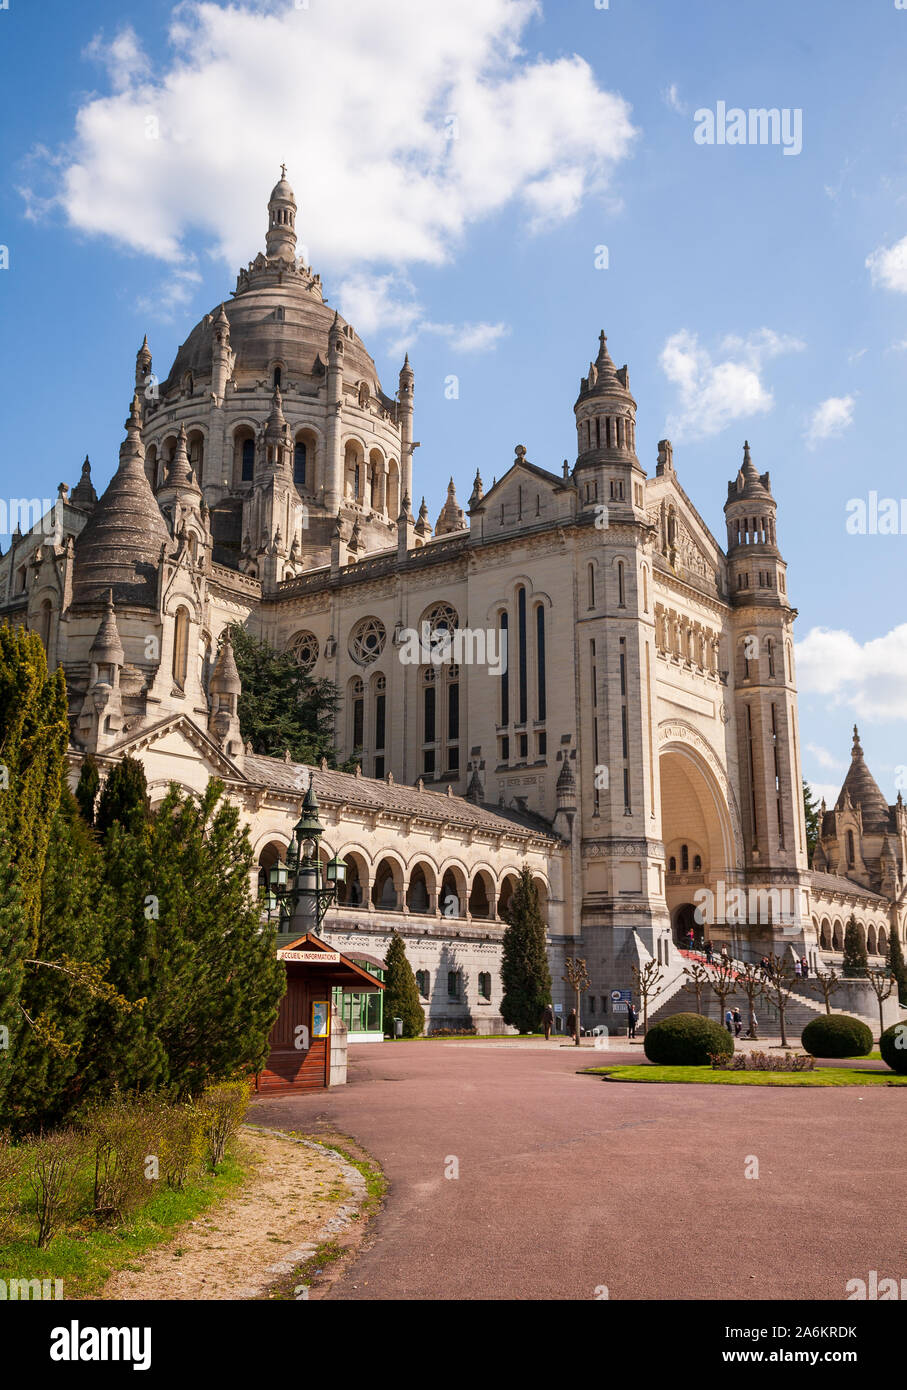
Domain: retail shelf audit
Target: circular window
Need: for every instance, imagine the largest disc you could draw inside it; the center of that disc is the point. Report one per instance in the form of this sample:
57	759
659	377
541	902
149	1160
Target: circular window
367	640
441	617
304	647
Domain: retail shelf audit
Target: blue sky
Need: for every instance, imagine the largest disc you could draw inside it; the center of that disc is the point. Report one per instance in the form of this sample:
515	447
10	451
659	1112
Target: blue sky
458	169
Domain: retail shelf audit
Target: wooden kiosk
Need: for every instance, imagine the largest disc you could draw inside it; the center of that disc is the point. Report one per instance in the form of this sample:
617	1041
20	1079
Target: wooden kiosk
300	1041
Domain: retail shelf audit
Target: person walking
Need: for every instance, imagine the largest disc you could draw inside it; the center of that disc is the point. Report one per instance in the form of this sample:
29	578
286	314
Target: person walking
725	958
729	1021
738	1023
572	1023
708	952
798	968
548	1020
804	968
690	938
632	1019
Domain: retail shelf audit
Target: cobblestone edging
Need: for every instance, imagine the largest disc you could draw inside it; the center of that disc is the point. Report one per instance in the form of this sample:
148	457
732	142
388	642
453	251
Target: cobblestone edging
343	1216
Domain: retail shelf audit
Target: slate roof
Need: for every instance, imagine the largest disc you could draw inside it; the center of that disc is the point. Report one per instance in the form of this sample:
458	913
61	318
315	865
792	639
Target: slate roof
837	883
371	794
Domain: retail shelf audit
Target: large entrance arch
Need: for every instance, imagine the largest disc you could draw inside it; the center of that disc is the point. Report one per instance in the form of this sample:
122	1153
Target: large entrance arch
699	836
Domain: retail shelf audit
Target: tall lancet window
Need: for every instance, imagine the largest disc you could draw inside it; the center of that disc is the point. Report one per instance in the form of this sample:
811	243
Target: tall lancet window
248	460
299	463
540	659
181	646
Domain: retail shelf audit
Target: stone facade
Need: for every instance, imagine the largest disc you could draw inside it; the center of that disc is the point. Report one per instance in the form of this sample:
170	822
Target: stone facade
639	744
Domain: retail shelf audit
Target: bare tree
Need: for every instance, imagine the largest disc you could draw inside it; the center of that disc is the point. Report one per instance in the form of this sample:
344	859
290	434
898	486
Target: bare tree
723	983
883	984
698	979
779	987
826	983
648	986
752	984
578	978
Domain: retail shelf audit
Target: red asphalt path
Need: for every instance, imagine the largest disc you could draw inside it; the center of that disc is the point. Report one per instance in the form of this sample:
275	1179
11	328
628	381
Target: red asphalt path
567	1183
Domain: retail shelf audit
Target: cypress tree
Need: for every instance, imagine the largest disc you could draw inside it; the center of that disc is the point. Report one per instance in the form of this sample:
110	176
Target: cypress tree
856	959
124	798
811	810
401	993
524	960
896	964
87	790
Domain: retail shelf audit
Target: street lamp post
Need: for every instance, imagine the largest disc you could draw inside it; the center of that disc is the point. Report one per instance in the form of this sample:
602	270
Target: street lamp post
294	888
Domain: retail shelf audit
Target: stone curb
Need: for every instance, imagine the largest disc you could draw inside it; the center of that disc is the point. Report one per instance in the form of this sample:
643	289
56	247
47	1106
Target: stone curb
343	1217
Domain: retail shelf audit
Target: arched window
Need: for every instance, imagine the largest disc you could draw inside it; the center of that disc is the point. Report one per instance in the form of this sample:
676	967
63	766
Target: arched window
278	376
521	656
423	981
299	464
672	865
620	584
44	623
248	460
357	692
505	674
850	849
484	984
591	586
684	858
540	659
697	863
181	646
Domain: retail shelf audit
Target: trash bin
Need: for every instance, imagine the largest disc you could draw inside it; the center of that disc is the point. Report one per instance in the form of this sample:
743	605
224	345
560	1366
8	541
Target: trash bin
398	1027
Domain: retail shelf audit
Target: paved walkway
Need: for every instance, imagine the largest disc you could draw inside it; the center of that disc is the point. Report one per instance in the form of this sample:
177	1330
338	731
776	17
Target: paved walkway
569	1183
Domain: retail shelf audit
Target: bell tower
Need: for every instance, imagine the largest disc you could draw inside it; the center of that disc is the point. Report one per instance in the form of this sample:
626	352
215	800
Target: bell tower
280	242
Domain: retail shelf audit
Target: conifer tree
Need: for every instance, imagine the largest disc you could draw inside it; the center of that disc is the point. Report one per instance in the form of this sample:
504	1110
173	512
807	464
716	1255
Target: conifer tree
192	943
856	960
401	993
897	965
124	798
524	962
280	706
811	810
87	789
34	733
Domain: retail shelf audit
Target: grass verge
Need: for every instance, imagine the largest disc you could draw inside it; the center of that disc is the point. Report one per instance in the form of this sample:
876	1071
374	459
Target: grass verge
704	1076
85	1254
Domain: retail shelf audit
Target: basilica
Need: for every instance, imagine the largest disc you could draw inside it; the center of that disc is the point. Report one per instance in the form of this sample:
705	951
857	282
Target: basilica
613	703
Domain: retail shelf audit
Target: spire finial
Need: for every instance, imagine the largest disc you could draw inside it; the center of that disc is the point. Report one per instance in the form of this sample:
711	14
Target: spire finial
283	171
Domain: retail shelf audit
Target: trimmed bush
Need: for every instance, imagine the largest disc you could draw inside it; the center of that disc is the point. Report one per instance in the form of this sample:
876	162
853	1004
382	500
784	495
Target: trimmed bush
687	1040
893	1047
836	1035
222	1108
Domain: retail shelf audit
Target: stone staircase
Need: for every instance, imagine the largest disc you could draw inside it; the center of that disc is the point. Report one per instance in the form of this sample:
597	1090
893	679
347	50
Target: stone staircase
804	1006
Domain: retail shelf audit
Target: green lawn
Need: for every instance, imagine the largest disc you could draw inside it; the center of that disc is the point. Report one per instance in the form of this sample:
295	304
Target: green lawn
85	1254
705	1076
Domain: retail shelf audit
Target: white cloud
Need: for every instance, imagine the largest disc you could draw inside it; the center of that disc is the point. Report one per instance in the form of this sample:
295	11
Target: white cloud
175	292
389	303
824	758
715	392
870	678
123	57
671	98
402	124
887	266
830	419
824	791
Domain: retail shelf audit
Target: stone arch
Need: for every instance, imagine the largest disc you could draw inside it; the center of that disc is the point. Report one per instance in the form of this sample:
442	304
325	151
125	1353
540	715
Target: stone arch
270	852
244	449
682	749
824	935
453	895
195	446
387	884
305	467
392	490
506	891
542	890
837	936
883	941
422	887
355	891
871	940
354	469
481	894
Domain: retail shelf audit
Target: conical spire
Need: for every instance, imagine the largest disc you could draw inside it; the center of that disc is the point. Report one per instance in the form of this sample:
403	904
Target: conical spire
121	543
862	789
452	516
179	474
83	494
750	482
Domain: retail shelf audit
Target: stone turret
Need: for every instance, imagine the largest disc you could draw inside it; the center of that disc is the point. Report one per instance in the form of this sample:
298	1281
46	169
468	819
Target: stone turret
224	689
222	356
100	720
405	397
452	516
83	494
142	366
281	237
607	470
